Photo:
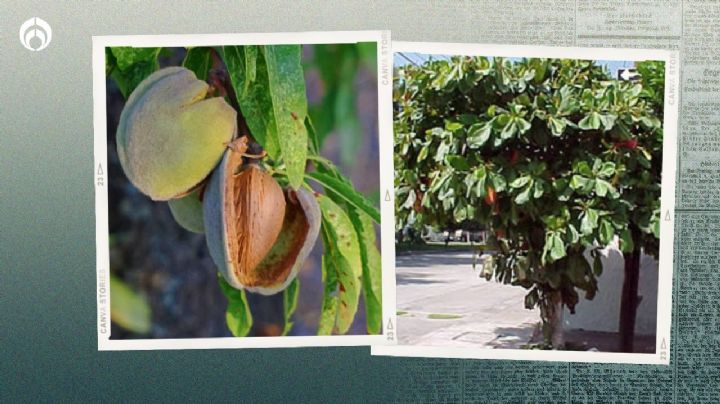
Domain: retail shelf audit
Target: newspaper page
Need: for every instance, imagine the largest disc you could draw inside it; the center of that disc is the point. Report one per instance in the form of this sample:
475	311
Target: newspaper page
692	29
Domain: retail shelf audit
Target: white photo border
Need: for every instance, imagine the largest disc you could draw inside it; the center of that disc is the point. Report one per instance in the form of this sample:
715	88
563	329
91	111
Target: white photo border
667	203
384	81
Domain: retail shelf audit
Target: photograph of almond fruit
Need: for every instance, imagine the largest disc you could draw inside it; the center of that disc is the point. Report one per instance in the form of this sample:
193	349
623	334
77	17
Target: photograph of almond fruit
243	188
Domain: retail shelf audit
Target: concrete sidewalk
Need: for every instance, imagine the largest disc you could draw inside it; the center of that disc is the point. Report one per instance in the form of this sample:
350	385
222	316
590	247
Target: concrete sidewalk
441	301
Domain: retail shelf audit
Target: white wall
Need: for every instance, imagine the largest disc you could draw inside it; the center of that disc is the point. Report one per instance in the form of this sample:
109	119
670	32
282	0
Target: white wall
603	312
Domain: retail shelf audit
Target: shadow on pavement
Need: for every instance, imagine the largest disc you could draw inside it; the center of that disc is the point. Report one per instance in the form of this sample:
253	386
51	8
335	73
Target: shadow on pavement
426	260
409	278
583	340
513	337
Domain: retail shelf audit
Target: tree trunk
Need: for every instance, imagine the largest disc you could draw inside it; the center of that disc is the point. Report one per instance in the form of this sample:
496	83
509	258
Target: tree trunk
555	321
629	300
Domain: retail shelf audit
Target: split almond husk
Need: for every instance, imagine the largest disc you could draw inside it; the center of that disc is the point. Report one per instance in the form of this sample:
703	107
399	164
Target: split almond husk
243	210
299	233
258	235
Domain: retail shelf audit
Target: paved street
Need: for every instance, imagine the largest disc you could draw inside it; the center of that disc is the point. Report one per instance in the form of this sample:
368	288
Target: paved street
441	301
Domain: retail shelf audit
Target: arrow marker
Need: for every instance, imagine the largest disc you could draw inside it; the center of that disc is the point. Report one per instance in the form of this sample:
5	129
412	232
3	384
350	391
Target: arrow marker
389	325
387	196
663	345
667	216
99	171
628	74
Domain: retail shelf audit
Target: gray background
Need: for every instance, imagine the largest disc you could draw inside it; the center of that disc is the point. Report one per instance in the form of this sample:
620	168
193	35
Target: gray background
47	224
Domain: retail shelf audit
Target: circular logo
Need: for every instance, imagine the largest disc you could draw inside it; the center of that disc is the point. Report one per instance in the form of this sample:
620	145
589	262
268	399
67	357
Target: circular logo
35	34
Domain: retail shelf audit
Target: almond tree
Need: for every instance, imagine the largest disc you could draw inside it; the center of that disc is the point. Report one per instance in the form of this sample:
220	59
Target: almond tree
553	156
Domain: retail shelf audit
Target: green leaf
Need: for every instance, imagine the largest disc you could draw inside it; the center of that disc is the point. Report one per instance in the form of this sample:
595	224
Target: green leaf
572	234
287	91
607	170
347	192
554	247
459	213
199	60
498	182
557	250
645	154
523	125
539	190
126	56
622	130
458	162
255	103
128	309
251	52
588	98
606	232
608	121
509	130
576	268
478	134
626	241
345	259
590	121
452	126
578	182
410	201
442	151
237	316
557	125
581	184
423	153
491	110
524	196
469	182
583	168
439	181
501	121
328	311
372	270
132	65
471	211
520	182
480	189
468	119
312	134
290	298
655	224
602	187
589	221
650	122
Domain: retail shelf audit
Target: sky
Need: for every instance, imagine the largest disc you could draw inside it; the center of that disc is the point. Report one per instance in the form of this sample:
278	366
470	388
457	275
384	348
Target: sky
401	59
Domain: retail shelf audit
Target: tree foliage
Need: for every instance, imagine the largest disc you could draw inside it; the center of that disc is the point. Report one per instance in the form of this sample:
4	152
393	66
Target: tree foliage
553	156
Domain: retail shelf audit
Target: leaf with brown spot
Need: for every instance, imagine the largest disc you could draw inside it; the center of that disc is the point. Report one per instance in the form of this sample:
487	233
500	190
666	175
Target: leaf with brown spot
371	270
328	311
344	254
289	101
